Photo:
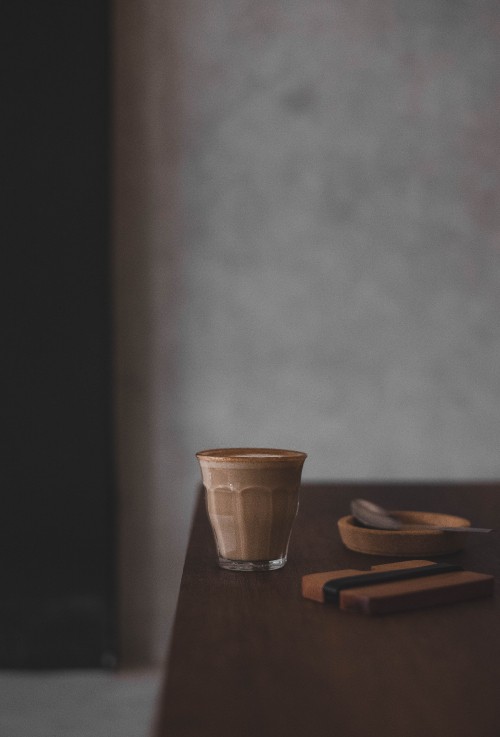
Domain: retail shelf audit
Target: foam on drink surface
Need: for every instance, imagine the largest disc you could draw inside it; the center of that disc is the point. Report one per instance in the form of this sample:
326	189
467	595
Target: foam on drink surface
257	455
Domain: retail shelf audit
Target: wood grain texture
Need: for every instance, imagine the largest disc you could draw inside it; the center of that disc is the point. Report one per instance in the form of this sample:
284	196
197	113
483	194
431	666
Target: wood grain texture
251	657
402	596
312	583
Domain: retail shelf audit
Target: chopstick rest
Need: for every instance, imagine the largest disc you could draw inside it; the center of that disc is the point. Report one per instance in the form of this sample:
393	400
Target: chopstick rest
396	586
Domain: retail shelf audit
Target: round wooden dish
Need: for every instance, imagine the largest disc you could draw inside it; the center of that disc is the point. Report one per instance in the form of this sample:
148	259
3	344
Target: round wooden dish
405	542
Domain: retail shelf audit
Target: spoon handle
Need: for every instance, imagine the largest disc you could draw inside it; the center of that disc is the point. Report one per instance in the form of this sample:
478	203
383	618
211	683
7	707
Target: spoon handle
446	529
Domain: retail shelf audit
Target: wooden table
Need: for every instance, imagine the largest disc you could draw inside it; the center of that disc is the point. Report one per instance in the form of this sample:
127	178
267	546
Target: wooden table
251	658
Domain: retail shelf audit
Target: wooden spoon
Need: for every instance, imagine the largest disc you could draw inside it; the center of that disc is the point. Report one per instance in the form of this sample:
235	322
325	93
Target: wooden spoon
371	515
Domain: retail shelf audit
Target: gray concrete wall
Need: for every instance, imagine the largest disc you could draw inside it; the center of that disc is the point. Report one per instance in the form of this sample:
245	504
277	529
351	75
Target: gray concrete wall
337	278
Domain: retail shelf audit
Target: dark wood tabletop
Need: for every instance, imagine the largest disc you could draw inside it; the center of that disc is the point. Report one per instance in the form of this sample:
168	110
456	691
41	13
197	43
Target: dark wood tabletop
251	658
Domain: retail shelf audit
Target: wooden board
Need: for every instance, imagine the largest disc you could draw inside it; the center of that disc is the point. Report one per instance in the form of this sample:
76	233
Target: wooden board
375	597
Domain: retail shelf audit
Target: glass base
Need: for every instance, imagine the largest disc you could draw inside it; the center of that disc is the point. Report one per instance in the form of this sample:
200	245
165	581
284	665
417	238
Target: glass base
251	565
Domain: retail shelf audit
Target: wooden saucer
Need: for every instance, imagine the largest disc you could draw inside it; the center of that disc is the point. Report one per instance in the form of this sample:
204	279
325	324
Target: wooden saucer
405	542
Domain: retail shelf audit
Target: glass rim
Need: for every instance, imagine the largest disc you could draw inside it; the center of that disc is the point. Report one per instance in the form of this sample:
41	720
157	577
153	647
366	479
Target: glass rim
257	455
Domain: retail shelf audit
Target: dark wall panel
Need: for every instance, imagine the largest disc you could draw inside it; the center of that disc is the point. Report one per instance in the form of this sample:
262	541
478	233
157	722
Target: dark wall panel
56	524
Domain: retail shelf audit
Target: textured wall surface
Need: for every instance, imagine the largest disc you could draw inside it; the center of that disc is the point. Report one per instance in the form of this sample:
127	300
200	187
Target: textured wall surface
343	249
339	270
